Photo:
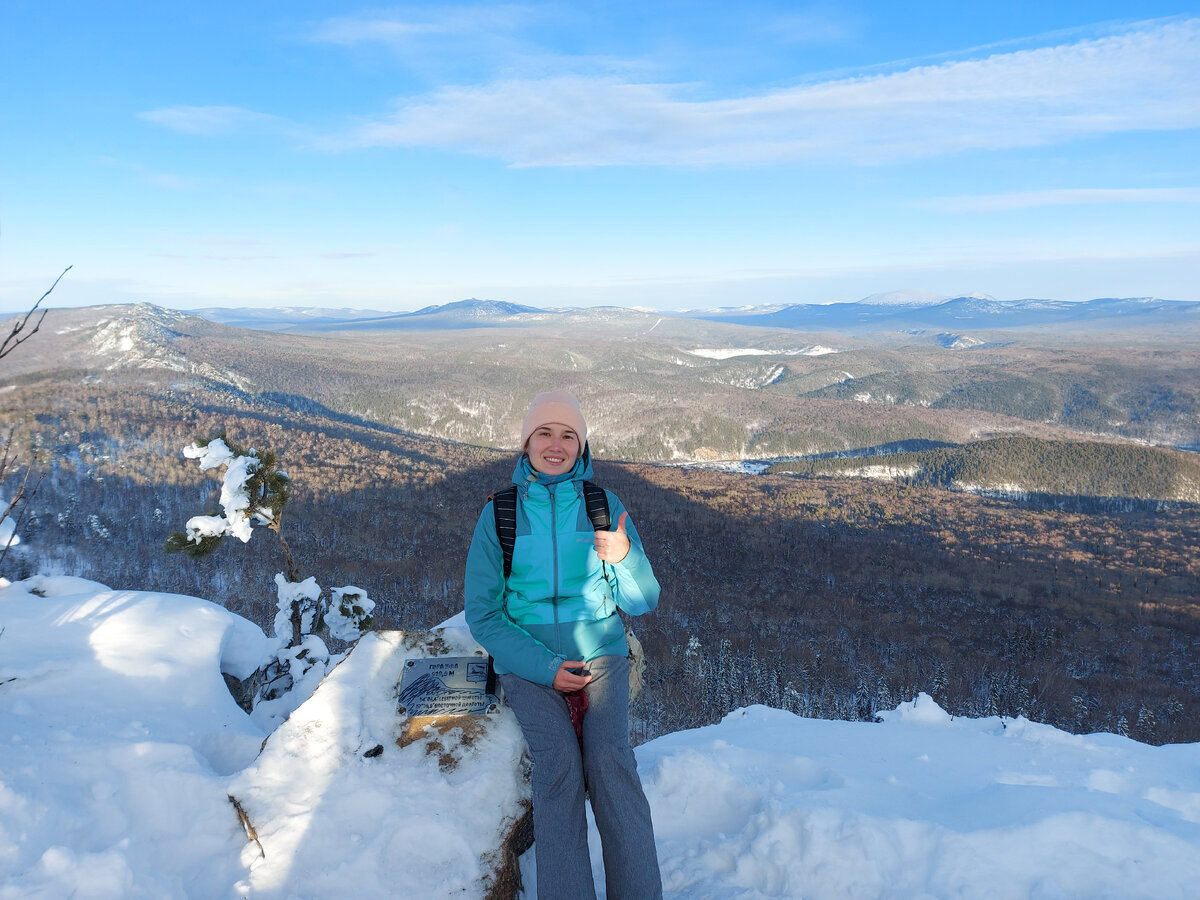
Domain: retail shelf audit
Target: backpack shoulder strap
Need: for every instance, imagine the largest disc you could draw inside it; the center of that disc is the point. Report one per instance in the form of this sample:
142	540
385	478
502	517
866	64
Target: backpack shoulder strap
504	509
596	501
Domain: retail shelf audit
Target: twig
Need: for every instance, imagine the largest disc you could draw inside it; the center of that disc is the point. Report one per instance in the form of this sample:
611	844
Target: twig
246	826
14	339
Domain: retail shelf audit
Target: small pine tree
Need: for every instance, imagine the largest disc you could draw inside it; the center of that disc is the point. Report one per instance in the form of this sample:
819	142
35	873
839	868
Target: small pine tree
693	660
253	493
1079	705
940	680
1147	724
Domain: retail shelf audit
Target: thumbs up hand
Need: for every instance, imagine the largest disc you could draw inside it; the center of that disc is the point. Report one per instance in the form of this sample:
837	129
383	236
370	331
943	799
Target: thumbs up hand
613	546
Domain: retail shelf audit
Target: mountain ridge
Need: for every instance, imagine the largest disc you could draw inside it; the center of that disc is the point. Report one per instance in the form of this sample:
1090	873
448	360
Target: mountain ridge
673	389
892	311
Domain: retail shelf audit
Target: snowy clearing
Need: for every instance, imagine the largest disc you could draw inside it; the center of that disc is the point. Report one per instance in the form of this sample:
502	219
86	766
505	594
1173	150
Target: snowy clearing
721	353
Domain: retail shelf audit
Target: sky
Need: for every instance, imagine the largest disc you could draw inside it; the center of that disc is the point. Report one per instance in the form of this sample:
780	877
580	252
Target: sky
122	748
672	155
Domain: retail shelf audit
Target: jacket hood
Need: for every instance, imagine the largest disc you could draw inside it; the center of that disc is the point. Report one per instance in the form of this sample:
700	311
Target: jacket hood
524	474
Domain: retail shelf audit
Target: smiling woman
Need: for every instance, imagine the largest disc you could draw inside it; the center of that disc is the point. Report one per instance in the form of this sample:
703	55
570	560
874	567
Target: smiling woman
544	602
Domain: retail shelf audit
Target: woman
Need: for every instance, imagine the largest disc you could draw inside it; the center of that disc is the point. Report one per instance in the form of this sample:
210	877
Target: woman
553	630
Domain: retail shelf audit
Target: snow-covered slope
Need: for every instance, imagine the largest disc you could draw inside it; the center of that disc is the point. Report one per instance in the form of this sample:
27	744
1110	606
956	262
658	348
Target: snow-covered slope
119	745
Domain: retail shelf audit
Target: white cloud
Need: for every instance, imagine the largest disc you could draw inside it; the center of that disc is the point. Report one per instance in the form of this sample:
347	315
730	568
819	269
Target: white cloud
448	45
1064	197
1143	79
349	31
210	120
402	30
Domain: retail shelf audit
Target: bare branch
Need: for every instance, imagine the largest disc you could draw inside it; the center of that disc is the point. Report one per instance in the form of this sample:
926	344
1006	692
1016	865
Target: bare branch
15	338
9	457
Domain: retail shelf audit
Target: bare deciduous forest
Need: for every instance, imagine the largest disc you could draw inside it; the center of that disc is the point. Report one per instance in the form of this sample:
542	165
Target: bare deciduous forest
833	597
828	595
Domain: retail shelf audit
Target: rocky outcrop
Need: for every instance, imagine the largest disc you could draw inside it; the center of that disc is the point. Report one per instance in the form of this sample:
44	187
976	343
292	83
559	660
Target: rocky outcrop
438	806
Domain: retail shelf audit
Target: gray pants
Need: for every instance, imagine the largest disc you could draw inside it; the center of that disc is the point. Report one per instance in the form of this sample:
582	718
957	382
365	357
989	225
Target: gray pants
564	868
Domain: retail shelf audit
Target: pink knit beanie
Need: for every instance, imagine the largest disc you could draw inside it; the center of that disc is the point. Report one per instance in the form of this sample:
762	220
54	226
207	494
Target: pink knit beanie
554	406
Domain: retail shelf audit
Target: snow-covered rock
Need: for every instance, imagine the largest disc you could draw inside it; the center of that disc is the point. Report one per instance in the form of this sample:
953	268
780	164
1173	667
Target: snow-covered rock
339	808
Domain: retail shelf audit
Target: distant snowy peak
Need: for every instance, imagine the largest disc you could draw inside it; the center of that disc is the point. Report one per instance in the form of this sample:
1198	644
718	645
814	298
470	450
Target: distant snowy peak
913	297
917	297
748	309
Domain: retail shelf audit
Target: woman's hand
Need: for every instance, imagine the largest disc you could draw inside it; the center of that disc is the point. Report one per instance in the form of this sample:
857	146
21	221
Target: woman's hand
567	681
613	546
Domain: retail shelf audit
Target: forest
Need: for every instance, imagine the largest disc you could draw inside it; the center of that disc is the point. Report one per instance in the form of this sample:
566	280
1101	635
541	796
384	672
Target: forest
1072	600
1091	472
829	596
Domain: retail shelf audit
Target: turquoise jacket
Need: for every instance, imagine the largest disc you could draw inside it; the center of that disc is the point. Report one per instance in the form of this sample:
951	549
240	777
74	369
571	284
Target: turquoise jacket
561	600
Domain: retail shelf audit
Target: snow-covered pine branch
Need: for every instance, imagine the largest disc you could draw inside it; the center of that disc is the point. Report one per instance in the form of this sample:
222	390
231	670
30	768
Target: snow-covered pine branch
253	492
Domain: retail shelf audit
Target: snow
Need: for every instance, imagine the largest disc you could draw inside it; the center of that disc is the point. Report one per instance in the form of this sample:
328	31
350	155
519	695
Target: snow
722	353
329	816
917	297
304	593
881	471
734	352
239	517
907	297
921	805
736	466
234	498
8	531
347	608
119	747
211	455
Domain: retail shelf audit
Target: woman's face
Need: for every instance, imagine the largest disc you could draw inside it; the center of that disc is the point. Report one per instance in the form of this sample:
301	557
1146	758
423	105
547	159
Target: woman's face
553	449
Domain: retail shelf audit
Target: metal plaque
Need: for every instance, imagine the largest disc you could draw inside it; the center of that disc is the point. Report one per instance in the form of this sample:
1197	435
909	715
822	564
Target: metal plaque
446	686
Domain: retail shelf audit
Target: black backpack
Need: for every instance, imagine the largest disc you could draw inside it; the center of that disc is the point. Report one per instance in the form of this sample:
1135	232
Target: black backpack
504	508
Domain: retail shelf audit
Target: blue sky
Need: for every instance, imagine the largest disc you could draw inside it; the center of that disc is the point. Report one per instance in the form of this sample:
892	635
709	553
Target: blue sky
663	154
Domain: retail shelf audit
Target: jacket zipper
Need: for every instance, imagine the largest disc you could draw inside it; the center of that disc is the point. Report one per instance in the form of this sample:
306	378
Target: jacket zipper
554	552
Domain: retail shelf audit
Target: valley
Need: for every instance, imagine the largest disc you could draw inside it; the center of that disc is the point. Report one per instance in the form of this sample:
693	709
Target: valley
1067	594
